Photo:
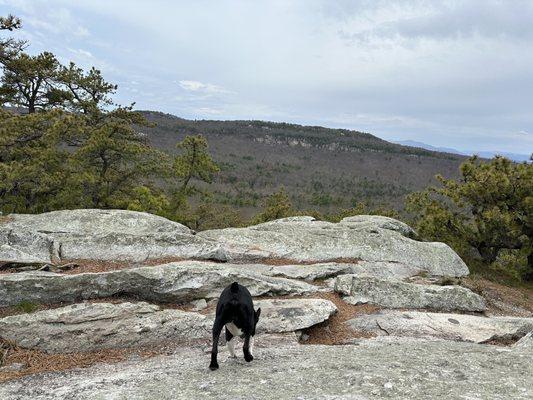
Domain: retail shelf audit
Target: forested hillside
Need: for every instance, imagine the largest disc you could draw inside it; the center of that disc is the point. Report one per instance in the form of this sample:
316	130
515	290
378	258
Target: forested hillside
320	168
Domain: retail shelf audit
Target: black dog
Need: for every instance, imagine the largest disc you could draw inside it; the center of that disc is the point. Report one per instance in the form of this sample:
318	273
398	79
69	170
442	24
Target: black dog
235	310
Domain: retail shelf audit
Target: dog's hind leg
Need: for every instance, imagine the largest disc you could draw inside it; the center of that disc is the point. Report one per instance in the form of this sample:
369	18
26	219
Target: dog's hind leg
217	328
230	342
246	349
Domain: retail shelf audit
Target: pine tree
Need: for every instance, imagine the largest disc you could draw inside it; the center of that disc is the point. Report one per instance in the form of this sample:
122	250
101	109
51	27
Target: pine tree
277	205
194	162
487	215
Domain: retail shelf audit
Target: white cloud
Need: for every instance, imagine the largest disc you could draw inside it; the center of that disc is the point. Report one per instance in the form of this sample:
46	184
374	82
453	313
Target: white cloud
195	86
81	52
207	110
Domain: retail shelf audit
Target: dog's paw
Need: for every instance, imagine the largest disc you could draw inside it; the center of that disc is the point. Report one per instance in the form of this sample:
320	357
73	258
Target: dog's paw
248	357
213	367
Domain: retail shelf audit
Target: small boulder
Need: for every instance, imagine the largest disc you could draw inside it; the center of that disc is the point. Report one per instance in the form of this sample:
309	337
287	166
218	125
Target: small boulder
198	305
288	315
461	327
393	293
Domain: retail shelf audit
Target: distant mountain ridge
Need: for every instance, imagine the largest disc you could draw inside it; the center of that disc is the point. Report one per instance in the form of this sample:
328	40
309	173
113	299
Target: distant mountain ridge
485	154
321	169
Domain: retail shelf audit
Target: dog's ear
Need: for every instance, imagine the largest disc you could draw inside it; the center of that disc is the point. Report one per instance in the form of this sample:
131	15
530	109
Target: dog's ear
257	314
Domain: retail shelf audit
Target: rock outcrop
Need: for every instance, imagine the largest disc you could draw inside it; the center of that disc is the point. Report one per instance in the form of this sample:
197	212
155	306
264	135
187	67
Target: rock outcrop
120	235
462	327
364	258
305	239
393	293
97	326
100	235
174	282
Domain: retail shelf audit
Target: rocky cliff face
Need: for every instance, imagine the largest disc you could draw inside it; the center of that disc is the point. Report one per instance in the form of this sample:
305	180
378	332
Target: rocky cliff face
155	282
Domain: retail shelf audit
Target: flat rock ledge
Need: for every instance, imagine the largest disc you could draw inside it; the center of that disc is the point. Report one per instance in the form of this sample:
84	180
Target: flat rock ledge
307	272
97	326
174	282
373	369
460	327
393	293
318	271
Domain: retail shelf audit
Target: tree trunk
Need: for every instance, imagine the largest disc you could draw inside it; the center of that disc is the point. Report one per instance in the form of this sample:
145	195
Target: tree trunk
487	253
528	275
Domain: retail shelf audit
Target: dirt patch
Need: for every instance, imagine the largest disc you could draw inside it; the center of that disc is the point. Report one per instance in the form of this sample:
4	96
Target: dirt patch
83	266
334	331
502	342
26	308
11	268
35	361
288	261
502	300
72	267
93	266
4	219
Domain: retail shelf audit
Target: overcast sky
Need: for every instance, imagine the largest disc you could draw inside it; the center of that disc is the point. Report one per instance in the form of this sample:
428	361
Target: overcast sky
447	73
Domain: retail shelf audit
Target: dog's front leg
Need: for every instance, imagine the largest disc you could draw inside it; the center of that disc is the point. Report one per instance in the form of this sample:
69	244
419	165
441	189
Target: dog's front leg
246	349
217	328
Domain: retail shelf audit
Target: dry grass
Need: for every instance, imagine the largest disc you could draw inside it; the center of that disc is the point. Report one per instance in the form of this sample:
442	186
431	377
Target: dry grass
502	342
94	266
4	219
334	331
83	266
288	261
36	361
16	310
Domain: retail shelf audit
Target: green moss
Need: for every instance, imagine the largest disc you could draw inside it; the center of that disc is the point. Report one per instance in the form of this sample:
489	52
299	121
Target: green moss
27	306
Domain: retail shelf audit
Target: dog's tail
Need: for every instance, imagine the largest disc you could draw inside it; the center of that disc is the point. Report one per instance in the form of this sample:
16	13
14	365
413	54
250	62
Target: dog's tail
234	287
